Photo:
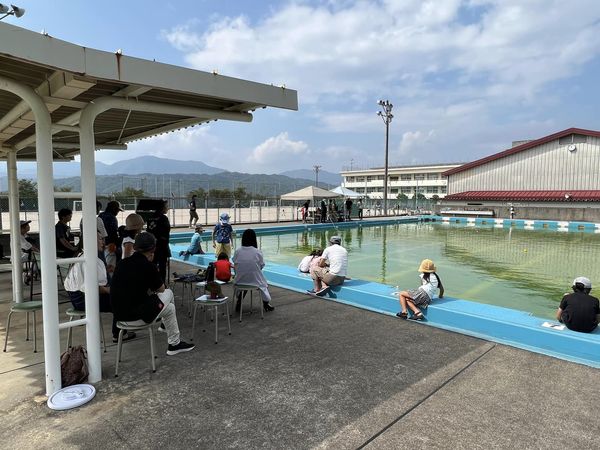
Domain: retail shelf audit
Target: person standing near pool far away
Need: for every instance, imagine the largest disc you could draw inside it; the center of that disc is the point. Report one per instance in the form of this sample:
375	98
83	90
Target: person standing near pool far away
323	211
359	206
332	267
348	205
512	212
422	296
193	213
579	311
222	235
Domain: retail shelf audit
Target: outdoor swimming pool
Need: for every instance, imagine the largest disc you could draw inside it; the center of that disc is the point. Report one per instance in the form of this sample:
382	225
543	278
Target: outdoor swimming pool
521	269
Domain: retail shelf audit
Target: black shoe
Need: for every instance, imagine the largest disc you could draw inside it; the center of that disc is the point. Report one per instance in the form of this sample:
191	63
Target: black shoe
179	348
321	292
268	307
126	336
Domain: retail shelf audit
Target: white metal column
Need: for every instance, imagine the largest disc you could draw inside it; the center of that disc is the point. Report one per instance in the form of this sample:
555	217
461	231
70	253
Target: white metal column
43	143
15	227
88	190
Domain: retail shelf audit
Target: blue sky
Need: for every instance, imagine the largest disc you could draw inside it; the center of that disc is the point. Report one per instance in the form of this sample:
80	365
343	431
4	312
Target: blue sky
466	77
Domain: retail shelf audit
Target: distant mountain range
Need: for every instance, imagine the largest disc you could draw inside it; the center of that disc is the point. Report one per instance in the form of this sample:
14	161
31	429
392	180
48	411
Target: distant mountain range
324	176
148	173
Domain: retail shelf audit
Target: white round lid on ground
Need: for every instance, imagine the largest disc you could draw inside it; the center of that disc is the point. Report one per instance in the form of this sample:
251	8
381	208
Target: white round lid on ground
71	397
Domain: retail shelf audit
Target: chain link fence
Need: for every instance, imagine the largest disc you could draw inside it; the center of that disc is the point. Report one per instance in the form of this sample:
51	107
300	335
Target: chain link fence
209	208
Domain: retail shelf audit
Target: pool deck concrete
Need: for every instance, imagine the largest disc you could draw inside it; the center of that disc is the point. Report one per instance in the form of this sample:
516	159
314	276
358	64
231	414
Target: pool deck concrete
312	374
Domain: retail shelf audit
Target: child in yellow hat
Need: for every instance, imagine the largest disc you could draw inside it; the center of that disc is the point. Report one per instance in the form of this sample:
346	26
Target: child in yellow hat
419	298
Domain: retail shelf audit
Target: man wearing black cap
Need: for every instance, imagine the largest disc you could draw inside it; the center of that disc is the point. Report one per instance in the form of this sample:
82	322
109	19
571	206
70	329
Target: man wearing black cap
133	279
579	311
332	267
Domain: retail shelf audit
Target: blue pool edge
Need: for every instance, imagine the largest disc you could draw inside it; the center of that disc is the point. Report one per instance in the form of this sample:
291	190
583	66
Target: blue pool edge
493	323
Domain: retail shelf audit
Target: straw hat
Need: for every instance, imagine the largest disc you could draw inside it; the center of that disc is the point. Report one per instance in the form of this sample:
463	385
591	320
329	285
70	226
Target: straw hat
427	266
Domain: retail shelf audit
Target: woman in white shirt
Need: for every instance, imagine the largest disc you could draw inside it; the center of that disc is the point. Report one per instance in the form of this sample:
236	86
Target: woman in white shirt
419	298
249	262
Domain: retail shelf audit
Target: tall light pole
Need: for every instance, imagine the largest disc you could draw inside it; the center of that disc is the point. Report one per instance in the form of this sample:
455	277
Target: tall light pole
317	168
387	116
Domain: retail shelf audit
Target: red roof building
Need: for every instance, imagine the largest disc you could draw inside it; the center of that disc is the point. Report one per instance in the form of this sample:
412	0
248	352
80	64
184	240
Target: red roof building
560	171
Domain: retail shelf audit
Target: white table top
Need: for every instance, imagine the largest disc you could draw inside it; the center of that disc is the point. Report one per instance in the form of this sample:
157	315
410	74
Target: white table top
203	283
206	299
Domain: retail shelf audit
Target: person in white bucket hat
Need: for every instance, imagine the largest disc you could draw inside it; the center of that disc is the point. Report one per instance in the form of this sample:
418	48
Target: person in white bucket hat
579	311
222	235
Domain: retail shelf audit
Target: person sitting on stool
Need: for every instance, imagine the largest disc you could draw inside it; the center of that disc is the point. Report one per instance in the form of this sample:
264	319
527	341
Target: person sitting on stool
132	281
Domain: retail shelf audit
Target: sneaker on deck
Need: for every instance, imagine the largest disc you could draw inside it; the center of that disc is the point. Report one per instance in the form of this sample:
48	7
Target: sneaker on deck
321	292
179	348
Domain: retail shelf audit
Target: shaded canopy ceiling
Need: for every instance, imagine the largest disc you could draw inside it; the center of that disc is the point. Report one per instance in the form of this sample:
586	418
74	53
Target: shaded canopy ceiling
68	77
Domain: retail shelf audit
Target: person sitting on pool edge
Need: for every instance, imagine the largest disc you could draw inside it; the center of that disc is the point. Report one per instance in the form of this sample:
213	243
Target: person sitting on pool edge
195	247
579	311
422	296
332	267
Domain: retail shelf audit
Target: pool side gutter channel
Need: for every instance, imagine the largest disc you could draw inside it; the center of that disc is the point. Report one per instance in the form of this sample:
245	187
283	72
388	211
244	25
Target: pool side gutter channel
503	325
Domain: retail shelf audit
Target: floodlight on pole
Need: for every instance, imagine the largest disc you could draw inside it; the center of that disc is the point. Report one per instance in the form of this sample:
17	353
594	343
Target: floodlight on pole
11	10
387	116
317	168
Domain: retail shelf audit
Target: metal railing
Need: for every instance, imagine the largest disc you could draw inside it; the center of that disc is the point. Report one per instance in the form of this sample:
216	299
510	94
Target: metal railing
247	210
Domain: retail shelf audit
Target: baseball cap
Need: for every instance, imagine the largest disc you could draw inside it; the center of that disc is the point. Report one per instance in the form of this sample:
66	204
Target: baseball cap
113	204
224	218
144	241
587	284
335	240
25	222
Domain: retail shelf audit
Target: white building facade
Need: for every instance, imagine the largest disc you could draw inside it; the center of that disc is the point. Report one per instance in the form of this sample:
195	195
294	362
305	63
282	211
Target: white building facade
408	180
554	177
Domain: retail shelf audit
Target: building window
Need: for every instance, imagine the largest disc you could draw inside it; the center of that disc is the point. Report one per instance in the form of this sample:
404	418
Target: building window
369	179
394	190
379	177
432	190
406	177
419	176
360	179
573	139
350	179
393	178
406	190
433	176
443	189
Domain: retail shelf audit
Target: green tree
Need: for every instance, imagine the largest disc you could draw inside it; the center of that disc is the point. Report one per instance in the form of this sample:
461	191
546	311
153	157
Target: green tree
129	192
27	189
63	189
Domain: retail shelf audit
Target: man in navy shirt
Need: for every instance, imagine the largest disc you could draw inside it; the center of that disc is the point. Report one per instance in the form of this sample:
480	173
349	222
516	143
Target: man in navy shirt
579	311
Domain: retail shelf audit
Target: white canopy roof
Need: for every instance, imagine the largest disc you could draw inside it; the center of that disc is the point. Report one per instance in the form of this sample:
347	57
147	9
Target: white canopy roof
309	192
346	192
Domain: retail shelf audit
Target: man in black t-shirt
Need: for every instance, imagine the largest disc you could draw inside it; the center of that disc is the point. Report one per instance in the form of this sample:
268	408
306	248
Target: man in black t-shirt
133	279
193	213
579	311
65	245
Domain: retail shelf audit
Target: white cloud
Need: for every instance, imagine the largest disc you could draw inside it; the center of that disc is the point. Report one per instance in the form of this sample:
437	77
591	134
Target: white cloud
279	153
360	48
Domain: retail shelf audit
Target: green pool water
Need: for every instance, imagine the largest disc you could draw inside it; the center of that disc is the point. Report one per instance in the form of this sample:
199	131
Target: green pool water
522	269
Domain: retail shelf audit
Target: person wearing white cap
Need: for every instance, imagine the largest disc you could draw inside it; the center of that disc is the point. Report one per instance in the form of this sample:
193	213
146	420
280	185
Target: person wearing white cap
26	245
579	311
332	268
222	235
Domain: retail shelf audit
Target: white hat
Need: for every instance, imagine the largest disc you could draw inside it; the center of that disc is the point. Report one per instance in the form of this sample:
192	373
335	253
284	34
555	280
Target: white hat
587	284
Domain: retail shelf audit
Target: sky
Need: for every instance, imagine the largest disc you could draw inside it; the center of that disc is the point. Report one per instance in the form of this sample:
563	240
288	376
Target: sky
466	78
